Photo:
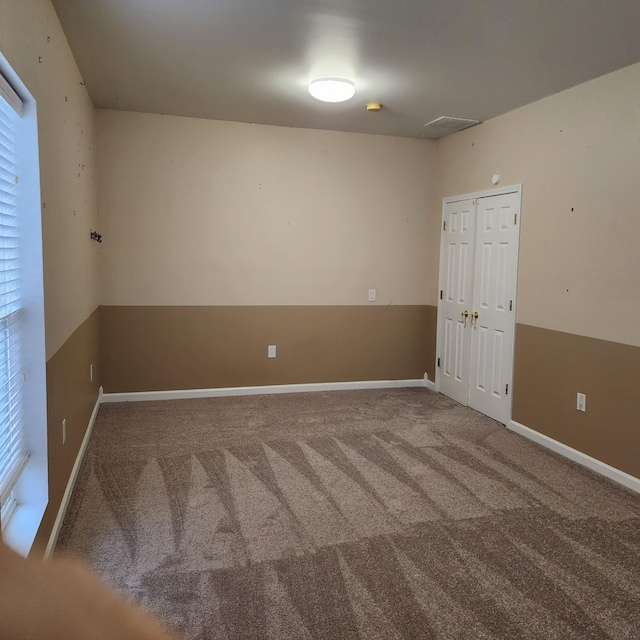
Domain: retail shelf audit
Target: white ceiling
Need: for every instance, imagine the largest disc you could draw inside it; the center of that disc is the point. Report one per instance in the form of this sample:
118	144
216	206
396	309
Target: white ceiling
251	60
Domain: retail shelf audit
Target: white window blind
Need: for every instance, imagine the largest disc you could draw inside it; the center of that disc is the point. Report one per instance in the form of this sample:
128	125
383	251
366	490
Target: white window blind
13	455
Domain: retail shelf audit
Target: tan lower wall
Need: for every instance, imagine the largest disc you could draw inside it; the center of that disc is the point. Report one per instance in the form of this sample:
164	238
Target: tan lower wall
71	396
551	367
161	348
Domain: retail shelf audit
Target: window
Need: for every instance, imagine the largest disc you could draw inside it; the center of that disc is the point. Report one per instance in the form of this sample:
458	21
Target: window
13	454
23	444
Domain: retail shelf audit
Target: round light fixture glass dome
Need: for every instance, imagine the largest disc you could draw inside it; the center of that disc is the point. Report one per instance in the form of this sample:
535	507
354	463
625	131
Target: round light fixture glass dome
332	89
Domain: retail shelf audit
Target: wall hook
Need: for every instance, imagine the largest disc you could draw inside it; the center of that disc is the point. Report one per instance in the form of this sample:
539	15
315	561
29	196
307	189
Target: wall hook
96	236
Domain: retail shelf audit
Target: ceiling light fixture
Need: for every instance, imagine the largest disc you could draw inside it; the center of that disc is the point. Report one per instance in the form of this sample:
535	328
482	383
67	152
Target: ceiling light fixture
332	89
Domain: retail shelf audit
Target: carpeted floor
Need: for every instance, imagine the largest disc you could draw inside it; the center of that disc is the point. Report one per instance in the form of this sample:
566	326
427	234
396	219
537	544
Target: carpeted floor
382	514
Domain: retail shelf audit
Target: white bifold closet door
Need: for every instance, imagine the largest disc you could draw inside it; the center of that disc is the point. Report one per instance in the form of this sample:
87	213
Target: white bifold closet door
476	315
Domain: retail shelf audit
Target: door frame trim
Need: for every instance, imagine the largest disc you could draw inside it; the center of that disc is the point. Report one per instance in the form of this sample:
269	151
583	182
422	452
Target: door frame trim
476	195
497	191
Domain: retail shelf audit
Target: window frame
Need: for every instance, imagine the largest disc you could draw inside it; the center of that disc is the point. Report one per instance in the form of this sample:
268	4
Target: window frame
31	488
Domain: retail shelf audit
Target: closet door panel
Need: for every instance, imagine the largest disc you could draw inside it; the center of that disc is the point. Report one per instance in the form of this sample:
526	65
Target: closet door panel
457	291
494	291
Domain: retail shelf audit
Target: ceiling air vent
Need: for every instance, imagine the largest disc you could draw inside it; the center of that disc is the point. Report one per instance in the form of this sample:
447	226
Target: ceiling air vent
444	125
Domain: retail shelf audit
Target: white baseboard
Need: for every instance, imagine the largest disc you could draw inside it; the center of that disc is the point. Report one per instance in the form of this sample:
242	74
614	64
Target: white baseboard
57	525
602	468
262	390
428	383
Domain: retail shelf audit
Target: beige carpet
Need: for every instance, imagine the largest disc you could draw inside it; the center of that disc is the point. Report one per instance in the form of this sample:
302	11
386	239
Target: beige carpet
381	514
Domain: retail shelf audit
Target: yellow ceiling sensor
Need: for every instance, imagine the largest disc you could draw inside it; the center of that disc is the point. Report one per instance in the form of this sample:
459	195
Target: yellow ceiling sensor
374	106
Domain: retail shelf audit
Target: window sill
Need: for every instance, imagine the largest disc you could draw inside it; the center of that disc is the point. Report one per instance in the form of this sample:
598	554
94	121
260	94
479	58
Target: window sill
21	530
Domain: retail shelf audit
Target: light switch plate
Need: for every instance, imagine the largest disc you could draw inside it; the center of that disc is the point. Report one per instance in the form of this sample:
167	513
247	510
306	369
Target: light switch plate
581	404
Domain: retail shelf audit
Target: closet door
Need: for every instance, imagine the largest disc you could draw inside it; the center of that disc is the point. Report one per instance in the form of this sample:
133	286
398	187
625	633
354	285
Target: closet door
492	323
476	310
455	308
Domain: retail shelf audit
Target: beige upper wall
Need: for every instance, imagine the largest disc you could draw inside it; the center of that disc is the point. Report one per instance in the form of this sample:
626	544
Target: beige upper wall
32	40
201	212
578	156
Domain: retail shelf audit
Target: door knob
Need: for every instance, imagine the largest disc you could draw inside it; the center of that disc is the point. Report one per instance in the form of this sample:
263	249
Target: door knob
465	315
474	318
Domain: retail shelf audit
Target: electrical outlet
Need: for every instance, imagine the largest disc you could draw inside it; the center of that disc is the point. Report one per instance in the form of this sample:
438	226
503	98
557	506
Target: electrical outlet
271	351
581	404
64	430
372	295
91	373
